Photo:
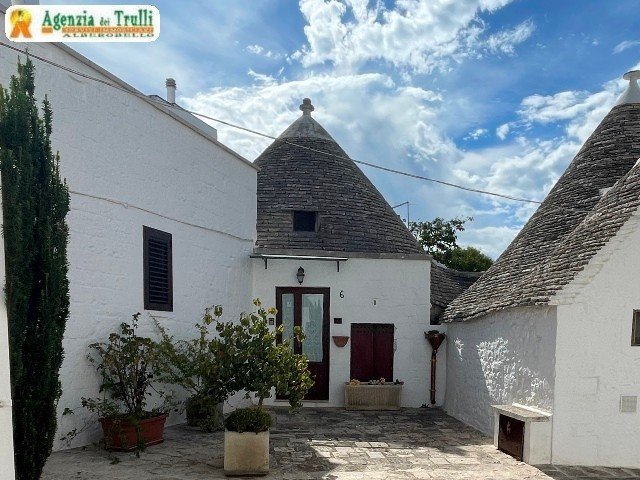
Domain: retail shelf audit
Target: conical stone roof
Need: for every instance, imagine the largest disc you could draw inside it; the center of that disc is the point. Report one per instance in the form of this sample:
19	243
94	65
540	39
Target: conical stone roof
545	255
306	170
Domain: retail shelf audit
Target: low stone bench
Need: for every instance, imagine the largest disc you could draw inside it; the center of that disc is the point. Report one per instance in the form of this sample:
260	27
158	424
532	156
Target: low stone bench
523	432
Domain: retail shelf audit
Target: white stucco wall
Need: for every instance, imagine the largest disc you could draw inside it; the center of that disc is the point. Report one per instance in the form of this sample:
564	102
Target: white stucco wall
6	424
119	147
595	362
401	290
503	358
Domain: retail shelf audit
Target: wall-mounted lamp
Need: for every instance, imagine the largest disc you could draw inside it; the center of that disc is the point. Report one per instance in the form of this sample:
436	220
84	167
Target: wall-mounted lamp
300	275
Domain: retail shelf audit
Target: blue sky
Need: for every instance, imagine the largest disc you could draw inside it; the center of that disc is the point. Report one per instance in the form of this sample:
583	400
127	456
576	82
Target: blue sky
492	94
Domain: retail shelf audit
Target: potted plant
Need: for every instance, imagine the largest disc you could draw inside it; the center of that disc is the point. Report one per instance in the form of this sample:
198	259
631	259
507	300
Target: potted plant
198	367
127	364
259	364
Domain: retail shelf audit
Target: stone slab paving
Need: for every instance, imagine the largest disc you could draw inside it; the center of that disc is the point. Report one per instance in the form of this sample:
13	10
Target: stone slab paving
329	444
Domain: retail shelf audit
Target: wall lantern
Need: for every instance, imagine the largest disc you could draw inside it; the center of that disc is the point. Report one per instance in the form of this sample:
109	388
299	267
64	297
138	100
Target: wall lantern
300	275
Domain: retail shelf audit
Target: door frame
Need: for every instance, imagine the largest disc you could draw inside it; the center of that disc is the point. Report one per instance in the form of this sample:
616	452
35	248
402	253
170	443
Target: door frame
297	319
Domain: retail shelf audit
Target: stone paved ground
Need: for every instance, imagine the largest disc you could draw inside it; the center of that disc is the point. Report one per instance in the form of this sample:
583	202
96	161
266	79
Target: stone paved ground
329	444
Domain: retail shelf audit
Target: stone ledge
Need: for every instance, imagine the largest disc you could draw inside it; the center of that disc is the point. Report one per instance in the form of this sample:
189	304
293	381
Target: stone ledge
522	413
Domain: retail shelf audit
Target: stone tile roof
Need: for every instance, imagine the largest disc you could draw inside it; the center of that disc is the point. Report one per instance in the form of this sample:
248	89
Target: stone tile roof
447	284
353	215
571	225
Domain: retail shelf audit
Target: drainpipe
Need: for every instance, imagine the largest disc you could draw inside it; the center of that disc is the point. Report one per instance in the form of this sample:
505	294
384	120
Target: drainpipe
435	338
6	421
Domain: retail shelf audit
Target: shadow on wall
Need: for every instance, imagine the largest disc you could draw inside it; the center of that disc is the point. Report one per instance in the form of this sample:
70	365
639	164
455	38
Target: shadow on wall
500	361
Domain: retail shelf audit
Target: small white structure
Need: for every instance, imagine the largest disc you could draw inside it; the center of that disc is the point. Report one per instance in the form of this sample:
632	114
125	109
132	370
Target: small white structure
6	424
336	260
554	324
143	175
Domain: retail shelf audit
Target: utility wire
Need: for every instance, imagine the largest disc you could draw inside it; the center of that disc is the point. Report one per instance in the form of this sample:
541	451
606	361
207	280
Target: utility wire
271	137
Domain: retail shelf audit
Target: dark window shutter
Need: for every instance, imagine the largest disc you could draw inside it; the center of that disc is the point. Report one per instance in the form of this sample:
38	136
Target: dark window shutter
158	270
372	351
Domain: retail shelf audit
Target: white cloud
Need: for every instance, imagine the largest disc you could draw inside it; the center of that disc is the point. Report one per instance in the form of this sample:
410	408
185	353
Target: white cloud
261	51
476	134
502	131
582	110
490	240
262	79
622	46
506	40
415	34
391	117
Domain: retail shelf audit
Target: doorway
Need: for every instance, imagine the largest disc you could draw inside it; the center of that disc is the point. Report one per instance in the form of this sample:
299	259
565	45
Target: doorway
372	351
308	308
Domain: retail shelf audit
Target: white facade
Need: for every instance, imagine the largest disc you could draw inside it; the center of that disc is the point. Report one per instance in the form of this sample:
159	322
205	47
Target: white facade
573	359
129	163
374	290
6	424
595	362
503	358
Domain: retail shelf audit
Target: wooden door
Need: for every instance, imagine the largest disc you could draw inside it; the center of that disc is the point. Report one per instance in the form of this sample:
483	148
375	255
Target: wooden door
308	308
372	351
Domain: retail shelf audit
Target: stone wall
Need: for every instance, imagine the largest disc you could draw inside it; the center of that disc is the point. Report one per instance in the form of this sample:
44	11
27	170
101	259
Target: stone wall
503	358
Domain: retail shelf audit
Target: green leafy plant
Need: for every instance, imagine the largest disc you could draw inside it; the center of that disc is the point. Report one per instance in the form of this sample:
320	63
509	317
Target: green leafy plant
128	363
252	419
35	202
439	238
198	367
259	363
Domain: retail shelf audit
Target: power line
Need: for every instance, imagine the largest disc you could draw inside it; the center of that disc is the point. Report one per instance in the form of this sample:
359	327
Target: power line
271	137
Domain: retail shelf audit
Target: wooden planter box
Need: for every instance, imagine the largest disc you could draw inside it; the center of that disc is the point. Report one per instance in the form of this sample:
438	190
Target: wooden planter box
372	397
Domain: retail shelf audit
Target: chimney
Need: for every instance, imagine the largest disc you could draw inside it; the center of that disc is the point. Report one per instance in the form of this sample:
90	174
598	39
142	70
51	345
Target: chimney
171	90
632	93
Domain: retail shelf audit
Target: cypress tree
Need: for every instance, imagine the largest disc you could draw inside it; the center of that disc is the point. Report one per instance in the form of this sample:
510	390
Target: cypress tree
35	202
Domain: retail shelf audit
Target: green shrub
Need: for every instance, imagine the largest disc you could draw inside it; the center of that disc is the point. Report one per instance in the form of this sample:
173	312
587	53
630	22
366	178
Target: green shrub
128	364
35	202
248	420
258	362
204	412
197	365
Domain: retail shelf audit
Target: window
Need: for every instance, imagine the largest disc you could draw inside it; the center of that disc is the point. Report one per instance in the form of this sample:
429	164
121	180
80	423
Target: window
158	270
304	221
635	329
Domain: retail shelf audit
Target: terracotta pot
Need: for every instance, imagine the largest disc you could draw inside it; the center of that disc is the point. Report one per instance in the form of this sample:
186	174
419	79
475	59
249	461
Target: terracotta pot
340	340
124	435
